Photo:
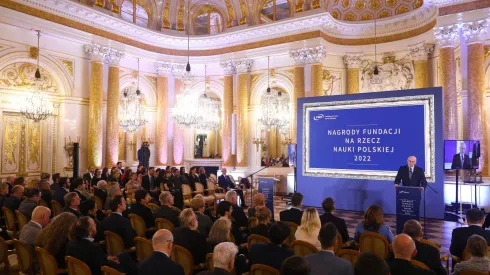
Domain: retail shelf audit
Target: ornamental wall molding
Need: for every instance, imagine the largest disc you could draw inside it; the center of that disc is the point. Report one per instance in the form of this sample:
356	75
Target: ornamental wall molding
447	36
421	51
236	66
169	68
308	55
475	32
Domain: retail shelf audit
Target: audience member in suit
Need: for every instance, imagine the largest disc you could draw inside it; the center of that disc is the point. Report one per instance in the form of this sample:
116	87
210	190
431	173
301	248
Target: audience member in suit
204	222
59	194
90	174
20	181
159	262
165	210
226	183
101	191
118	224
328	206
148	182
461	160
32	198
238	214
77	186
309	229
403	248
112	191
203	178
55	236
258	202
192	178
477	247
46	194
272	254
410	174
141	209
13	201
460	235
220	233
295	265
56	182
98	177
325	261
373	222
295	213
30	231
223	259
120	167
72	203
187	236
369	263
4	192
264	217
88	209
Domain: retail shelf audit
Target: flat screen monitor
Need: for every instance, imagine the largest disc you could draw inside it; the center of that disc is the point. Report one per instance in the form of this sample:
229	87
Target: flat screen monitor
461	154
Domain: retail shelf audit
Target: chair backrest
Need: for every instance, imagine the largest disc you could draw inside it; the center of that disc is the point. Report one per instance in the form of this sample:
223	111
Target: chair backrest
21	219
375	243
183	257
76	267
24	255
252	222
57	209
144	248
338	244
176	209
255	239
210	186
433	244
349	255
199	188
472	272
138	224
302	248
47	262
292	231
4	254
162	223
419	264
114	243
153	207
9	219
110	271
43	203
209	262
260	269
98	202
186	190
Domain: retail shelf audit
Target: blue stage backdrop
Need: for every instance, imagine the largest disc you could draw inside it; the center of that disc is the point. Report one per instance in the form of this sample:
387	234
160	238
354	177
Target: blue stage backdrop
351	146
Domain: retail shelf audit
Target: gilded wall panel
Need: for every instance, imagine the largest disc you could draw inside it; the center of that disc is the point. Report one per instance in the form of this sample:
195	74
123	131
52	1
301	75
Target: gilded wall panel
332	82
10	143
21	75
33	146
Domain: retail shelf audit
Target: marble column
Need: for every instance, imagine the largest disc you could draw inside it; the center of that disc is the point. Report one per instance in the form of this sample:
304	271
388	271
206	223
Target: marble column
161	141
447	37
112	117
243	67
97	55
228	69
475	34
352	62
420	53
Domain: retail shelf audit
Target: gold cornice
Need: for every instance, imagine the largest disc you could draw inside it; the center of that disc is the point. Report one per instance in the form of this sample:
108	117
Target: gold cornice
253	45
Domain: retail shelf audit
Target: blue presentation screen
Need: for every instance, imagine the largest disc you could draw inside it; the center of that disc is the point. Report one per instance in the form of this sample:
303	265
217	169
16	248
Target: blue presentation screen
366	138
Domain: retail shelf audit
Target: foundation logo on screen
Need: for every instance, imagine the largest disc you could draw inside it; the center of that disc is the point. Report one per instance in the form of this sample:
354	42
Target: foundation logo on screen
324	117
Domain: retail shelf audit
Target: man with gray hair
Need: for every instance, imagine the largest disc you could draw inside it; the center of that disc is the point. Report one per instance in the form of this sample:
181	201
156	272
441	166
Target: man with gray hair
112	191
159	262
166	210
411	174
187	236
223	259
404	249
237	214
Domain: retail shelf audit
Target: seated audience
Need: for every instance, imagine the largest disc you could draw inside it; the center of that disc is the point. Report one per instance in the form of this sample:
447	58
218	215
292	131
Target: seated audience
295	213
133	184
403	248
165	210
373	222
13	201
20	181
310	228
78	186
220	233
62	190
258	202
72	202
369	264
223	259
141	209
224	210
46	194
328	206
55	236
112	191
159	262
426	253
204	221
56	182
4	192
272	254
477	247
118	224
295	265
264	217
187	236
325	261
32	198
474	218
30	231
238	214
101	191
88	209
227	183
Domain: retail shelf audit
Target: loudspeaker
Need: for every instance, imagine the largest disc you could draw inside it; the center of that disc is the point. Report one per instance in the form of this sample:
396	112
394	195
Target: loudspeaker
76	161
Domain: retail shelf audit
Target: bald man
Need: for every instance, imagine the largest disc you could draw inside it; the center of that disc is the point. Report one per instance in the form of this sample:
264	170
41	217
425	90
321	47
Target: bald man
40	218
159	262
404	248
411	174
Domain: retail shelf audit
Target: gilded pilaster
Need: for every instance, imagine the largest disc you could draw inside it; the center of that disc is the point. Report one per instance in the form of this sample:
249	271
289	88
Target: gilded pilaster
161	141
420	53
227	117
112	117
178	142
94	148
243	68
447	37
298	92
317	79
273	142
352	62
212	142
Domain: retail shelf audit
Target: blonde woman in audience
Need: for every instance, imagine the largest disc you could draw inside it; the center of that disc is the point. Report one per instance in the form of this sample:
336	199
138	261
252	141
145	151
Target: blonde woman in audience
33	184
310	228
258	202
477	247
264	216
55	236
220	232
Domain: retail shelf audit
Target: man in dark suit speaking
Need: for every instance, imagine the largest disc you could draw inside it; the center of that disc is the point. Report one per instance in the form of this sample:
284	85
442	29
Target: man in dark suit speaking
461	160
410	174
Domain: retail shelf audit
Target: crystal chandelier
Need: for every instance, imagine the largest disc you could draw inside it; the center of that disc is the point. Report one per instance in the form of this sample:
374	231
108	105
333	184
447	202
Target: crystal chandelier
375	77
209	116
131	113
37	107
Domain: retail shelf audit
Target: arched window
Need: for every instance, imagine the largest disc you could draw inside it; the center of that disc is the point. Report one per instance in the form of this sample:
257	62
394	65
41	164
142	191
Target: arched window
274	10
208	21
140	17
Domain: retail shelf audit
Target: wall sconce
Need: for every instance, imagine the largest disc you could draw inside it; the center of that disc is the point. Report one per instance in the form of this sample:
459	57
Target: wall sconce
258	142
69	149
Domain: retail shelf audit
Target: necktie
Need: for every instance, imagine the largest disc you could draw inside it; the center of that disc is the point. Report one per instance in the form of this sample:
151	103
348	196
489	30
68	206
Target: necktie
410	173
462	160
